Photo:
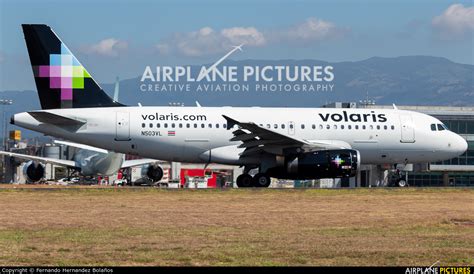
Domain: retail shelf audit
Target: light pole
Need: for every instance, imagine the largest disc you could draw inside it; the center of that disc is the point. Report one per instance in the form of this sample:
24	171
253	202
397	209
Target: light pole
4	102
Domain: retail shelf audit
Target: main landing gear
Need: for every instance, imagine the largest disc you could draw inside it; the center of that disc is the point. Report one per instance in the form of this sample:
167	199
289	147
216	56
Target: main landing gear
259	180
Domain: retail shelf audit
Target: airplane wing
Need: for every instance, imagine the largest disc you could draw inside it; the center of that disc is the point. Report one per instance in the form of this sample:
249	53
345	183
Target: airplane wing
256	140
59	162
138	162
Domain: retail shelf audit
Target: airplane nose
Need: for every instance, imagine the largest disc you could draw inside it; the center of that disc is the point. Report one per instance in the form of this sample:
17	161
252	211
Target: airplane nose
460	145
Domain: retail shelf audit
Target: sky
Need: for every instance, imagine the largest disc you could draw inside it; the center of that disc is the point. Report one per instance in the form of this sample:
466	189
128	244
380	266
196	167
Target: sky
120	38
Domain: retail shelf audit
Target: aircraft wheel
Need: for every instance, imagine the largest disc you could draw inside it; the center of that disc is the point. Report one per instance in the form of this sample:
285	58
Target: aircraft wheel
261	180
402	183
244	180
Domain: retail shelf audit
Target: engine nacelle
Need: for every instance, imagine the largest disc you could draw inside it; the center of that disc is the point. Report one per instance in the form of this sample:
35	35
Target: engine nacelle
153	172
33	172
318	164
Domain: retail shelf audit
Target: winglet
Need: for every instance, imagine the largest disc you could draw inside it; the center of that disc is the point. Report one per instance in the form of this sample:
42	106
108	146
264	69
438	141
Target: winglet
230	122
394	106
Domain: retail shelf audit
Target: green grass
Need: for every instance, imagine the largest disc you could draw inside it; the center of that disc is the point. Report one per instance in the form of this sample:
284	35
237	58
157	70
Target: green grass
236	227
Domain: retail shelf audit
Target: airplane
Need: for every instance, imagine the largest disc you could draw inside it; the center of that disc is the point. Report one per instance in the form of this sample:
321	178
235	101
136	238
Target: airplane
87	160
285	143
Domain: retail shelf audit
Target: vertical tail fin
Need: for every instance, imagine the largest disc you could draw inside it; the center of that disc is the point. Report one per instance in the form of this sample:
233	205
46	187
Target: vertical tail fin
62	81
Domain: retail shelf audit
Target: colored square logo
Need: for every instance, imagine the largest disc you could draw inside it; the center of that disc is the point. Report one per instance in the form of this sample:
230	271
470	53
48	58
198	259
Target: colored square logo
55	82
66	60
66	94
54	71
77	71
43	71
55	59
66	71
78	82
66	82
65	50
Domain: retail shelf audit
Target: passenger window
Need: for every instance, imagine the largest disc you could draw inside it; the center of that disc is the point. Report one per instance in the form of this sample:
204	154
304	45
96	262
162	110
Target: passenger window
313	126
385	127
378	127
363	126
291	126
166	125
440	127
210	125
328	127
283	126
275	126
393	127
180	125
335	126
371	127
342	126
172	125
143	125
356	126
195	125
158	125
302	126
349	127
321	127
203	126
188	125
151	125
217	125
224	126
269	126
433	127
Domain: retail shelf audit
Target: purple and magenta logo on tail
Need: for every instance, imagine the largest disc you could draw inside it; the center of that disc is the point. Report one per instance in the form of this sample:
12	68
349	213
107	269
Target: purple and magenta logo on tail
65	73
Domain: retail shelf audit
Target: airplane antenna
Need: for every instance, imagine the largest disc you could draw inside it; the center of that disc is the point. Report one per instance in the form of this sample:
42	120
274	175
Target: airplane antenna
394	106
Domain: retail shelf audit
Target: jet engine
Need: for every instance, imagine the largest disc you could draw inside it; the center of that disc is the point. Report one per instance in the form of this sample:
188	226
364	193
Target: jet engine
152	171
318	164
33	171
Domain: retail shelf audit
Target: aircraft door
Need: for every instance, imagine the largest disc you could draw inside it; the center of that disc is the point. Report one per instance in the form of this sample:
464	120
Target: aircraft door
122	126
407	129
291	128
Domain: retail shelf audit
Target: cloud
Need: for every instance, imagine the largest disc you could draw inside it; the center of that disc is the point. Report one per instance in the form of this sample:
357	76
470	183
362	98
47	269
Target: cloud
110	47
456	22
207	41
311	30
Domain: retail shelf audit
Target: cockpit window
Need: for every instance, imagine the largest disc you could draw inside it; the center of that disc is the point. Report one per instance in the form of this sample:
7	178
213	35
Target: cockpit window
433	127
440	127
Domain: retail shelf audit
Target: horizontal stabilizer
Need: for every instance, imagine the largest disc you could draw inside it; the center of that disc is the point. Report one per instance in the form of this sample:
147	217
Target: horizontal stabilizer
57	120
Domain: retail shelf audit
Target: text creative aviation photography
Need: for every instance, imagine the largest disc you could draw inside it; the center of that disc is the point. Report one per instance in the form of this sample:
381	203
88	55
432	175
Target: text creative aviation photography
204	176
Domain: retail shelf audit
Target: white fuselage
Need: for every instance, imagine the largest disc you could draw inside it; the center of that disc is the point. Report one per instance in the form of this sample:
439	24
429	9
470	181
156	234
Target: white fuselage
187	134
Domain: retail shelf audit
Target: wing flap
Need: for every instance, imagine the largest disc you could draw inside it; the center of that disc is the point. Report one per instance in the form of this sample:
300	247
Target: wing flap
256	140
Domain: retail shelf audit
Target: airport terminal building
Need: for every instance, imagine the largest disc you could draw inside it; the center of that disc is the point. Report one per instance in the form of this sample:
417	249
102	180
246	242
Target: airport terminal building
455	172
